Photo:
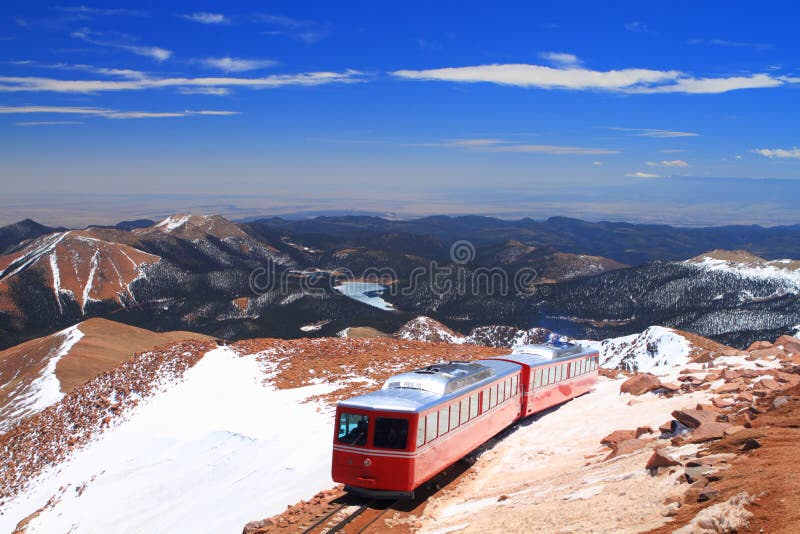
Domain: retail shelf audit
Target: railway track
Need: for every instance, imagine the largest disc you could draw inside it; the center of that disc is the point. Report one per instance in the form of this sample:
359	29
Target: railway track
358	515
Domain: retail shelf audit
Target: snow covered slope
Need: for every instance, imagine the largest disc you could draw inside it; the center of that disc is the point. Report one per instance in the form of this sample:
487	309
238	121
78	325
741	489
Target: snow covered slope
79	268
654	349
39	372
742	263
29	389
204	455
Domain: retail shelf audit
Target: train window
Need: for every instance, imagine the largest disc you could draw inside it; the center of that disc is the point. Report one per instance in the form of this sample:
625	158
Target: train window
562	372
485	401
548	377
391	433
353	428
444	420
492	396
420	432
454	411
514	383
431	426
537	381
501	392
464	410
473	406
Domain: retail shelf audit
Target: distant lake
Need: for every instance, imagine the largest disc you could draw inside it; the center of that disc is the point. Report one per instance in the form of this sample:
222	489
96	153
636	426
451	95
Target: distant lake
366	292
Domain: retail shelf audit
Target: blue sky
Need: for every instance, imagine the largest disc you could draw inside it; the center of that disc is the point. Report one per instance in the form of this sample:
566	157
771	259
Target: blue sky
508	108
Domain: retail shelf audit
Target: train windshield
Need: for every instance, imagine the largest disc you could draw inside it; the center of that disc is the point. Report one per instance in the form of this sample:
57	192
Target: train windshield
391	433
353	428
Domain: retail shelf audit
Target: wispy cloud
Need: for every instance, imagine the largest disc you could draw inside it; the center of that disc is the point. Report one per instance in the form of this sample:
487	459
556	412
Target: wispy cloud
640	174
46	123
37	84
668	163
500	145
308	31
561	59
155	52
204	17
636	26
654	132
779	153
102	12
215	91
232	64
731	44
109	113
574	77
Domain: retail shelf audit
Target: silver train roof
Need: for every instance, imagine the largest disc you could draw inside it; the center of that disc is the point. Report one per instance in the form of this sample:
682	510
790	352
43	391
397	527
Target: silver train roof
424	388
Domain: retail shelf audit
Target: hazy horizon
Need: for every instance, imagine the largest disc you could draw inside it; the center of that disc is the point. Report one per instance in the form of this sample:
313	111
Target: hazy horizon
645	113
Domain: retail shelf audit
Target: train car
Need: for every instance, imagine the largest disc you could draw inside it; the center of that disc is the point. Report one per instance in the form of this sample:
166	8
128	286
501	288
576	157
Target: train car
389	442
553	373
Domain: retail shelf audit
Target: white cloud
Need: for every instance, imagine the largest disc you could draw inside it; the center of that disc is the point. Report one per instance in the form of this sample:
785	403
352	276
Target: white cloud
46	123
714	85
308	31
655	132
780	153
232	64
154	52
731	44
597	163
36	84
109	113
204	17
668	163
636	27
214	91
561	59
500	145
83	10
575	77
640	174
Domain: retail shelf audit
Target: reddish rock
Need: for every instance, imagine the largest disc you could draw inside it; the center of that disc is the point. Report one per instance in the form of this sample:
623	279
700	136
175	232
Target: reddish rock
694	418
703	357
750	444
642	430
666	428
708	431
722	403
789	344
733	352
744	396
768	354
759	345
766	384
670	386
618	436
708	408
640	384
627	447
733	429
731	374
660	459
728	388
711	377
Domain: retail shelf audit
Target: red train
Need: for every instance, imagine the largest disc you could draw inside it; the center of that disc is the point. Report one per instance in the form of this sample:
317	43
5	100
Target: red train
389	442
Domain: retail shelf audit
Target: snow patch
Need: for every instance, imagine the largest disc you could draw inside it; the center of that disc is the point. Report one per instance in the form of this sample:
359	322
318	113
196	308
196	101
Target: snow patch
173	222
773	270
45	389
228	445
656	349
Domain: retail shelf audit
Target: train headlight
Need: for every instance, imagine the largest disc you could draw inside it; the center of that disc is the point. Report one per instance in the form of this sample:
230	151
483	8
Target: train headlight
367	462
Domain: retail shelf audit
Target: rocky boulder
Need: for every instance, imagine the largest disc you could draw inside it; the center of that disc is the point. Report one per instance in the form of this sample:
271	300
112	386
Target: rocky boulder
640	384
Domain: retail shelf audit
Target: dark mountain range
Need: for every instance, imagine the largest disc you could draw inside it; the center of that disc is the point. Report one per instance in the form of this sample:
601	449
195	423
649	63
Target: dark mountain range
276	278
627	243
23	231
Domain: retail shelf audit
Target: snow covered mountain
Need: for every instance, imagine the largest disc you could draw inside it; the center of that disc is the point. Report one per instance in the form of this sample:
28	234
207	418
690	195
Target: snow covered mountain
39	372
184	437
